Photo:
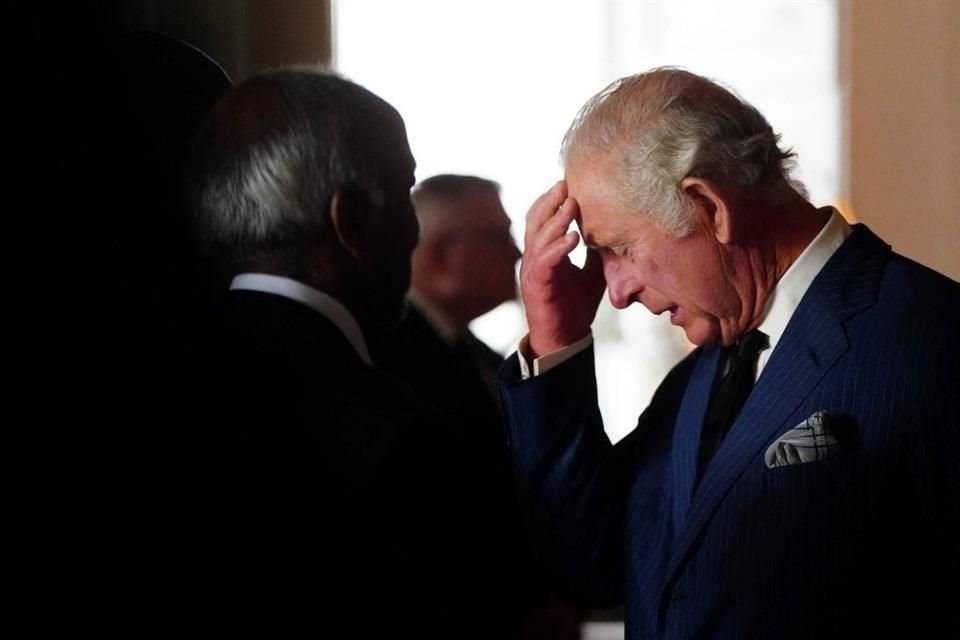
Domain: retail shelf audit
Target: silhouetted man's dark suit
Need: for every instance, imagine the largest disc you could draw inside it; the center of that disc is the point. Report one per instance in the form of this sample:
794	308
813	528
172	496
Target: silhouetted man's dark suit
334	493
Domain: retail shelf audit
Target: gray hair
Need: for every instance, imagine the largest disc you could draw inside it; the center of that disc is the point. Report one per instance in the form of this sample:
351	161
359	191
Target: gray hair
449	186
436	201
667	125
272	153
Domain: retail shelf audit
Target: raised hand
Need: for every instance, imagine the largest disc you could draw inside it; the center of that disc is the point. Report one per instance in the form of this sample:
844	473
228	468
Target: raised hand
560	298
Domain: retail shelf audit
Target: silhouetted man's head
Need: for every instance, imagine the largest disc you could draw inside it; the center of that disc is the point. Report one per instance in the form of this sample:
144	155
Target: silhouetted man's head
304	174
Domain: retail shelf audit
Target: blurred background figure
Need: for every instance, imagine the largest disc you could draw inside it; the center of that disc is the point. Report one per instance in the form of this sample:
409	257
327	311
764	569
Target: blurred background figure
465	262
464	266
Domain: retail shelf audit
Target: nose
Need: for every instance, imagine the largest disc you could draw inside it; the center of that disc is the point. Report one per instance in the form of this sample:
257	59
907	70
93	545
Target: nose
620	288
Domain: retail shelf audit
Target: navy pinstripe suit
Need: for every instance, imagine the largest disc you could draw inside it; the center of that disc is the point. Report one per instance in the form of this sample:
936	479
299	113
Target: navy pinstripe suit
862	543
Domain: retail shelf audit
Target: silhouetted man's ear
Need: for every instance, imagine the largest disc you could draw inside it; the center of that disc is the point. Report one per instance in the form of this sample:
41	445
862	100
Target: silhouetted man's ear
351	213
712	208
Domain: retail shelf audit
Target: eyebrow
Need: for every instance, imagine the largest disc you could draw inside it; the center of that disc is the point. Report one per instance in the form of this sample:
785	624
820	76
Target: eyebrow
588	238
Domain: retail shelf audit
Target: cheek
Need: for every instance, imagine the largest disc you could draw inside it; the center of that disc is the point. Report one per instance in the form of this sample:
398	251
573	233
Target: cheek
718	289
696	278
633	266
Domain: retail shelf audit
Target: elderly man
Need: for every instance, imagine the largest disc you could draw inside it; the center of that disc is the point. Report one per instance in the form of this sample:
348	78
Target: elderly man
796	475
336	502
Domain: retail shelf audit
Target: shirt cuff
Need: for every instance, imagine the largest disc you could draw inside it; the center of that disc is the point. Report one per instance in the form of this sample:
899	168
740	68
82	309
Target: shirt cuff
550	361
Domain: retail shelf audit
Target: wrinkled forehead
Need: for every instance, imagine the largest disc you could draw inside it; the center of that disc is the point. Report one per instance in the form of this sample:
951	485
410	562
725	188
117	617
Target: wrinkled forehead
601	212
592	178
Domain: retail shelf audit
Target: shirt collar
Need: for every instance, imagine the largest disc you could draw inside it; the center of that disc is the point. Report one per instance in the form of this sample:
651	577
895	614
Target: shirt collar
794	283
319	301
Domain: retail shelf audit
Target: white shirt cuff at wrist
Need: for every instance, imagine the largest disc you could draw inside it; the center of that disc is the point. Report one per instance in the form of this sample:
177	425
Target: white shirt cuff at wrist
550	361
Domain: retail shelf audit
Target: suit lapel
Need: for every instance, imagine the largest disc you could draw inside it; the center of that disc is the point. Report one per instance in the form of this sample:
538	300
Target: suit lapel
813	342
686	433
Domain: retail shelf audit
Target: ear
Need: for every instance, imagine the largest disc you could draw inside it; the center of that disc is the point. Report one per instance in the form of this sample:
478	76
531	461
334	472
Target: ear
350	213
712	208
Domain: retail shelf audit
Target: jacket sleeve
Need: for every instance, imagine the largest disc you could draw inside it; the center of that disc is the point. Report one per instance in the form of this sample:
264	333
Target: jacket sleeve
572	480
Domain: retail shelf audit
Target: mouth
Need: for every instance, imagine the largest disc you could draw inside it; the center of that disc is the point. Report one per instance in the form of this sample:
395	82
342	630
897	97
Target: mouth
675	317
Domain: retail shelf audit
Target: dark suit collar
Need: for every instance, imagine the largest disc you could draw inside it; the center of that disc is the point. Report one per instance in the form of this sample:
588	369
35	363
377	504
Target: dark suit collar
686	434
850	281
813	341
290	321
302	293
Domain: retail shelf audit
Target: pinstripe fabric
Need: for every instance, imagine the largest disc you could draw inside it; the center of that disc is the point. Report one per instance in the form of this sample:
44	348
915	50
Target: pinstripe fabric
855	545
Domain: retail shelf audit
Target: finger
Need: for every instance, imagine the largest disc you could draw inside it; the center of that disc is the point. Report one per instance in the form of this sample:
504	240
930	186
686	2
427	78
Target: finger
544	208
558	250
556	226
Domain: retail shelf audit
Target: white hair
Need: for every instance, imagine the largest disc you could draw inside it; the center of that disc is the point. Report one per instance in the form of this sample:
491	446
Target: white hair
272	153
666	125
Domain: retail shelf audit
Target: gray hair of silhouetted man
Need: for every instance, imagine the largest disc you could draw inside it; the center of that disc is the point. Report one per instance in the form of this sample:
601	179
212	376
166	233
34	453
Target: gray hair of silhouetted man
301	173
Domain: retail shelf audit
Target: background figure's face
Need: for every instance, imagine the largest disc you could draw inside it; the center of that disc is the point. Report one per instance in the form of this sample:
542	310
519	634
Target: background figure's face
688	277
481	253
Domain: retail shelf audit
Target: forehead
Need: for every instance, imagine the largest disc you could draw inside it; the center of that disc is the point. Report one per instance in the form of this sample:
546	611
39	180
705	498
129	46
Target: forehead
481	206
473	206
603	219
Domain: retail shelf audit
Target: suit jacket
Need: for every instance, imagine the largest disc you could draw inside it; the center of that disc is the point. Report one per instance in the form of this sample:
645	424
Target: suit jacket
862	543
458	380
451	377
331	499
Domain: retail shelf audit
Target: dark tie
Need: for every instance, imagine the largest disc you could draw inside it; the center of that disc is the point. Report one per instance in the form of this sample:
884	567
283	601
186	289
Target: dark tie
730	393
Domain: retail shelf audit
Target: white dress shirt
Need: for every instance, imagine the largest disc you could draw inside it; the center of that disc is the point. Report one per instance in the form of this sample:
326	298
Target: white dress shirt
794	283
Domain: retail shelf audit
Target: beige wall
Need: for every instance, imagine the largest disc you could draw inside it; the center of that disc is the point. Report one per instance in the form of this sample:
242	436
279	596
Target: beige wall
900	65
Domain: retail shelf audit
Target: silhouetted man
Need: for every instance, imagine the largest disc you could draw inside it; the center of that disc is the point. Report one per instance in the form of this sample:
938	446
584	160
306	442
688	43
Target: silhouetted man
335	500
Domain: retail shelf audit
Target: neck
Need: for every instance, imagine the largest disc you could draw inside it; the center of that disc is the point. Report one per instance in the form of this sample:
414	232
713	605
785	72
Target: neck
798	223
777	237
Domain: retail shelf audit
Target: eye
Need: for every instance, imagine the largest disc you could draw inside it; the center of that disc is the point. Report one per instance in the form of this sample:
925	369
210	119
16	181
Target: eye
609	252
619	250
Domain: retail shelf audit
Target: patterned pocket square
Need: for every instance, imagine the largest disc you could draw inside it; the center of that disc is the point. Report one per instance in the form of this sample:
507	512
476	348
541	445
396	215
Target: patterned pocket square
810	441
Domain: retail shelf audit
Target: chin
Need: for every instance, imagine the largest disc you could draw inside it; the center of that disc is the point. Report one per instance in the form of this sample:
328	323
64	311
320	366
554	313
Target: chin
701	332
